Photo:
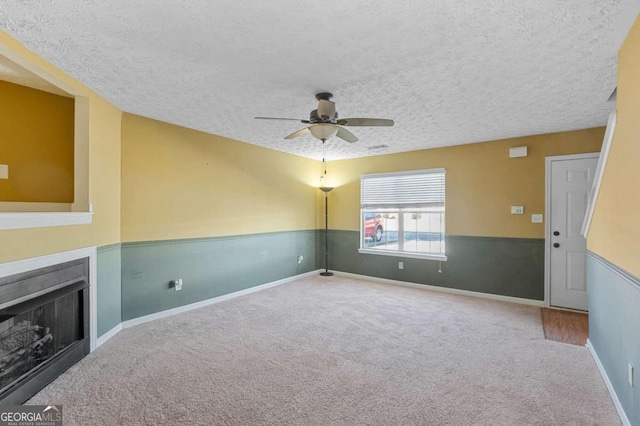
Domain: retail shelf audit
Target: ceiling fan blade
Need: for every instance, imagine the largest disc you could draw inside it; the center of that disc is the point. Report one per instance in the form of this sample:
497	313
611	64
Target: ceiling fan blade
346	135
278	118
298	133
326	109
375	122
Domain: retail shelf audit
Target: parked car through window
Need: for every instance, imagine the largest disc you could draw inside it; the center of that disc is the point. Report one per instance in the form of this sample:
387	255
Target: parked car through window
373	226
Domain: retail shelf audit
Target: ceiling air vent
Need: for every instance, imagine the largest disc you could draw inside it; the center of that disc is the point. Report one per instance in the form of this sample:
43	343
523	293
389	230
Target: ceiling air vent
372	148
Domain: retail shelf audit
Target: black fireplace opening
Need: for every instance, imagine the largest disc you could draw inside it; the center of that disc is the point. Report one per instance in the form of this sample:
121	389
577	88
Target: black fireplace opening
44	327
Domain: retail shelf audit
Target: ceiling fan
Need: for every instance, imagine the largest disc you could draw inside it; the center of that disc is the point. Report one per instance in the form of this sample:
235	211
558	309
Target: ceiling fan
325	124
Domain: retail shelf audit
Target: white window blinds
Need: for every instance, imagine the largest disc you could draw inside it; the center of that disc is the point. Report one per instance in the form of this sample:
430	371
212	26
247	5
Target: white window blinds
418	188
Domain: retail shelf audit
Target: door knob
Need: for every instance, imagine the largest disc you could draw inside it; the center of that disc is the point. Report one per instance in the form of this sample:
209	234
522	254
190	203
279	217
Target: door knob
556	233
556	245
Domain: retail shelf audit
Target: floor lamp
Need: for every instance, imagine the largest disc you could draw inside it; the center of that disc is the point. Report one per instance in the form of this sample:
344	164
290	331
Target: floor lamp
326	190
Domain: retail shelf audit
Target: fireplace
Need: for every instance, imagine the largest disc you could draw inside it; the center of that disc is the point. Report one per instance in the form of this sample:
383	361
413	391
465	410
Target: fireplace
44	327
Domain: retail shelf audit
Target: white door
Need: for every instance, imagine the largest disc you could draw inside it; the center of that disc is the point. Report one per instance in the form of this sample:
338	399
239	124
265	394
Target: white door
571	181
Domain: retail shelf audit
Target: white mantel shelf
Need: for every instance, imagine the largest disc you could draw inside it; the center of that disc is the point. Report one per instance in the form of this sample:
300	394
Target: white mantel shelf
22	220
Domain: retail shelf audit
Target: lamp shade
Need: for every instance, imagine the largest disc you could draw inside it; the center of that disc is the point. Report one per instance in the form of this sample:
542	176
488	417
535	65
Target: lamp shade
323	131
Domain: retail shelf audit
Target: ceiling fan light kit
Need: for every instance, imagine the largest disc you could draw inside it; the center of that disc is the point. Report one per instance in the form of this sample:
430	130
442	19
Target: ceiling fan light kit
323	131
324	122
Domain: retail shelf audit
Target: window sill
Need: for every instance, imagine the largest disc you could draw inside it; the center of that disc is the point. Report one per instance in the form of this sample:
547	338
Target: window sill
403	254
22	220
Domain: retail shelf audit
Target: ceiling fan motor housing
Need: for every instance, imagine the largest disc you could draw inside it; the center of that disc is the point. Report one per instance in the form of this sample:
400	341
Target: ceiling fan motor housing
315	118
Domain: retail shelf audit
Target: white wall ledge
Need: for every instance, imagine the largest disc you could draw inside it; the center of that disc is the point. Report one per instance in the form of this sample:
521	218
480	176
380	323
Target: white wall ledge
23	220
408	254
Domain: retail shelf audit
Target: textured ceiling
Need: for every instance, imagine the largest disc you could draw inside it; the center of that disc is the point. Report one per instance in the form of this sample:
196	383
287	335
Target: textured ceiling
447	72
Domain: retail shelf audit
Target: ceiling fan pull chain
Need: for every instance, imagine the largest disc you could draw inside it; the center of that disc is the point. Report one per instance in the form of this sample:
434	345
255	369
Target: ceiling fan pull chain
324	164
324	156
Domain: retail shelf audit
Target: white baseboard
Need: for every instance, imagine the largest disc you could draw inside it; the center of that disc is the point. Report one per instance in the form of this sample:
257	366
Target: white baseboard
108	335
539	303
196	305
612	392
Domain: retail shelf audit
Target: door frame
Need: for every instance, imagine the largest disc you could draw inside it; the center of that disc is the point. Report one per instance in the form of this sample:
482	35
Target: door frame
547	213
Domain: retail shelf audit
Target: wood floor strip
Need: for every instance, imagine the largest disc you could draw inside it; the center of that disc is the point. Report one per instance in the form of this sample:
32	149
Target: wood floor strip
564	326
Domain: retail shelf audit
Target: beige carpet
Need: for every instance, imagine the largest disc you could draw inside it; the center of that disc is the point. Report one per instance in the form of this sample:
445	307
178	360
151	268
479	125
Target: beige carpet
337	351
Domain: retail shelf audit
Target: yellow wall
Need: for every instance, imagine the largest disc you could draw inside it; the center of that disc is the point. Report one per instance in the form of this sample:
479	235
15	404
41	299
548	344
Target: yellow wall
482	182
104	179
181	183
615	229
36	141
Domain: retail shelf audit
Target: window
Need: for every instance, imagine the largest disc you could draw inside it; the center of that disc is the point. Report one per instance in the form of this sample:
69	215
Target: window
402	214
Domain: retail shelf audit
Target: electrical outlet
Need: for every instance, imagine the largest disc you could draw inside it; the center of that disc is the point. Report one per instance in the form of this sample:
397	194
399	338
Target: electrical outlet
4	171
517	209
400	265
630	374
300	259
536	218
177	284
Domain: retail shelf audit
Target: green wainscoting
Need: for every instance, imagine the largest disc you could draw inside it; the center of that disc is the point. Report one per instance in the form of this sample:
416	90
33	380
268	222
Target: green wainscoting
614	328
109	271
209	267
503	266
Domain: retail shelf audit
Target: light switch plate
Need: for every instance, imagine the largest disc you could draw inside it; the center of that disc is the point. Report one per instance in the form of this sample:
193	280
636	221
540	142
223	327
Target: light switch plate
536	218
4	171
517	209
